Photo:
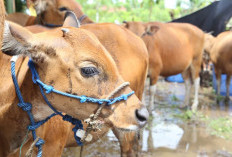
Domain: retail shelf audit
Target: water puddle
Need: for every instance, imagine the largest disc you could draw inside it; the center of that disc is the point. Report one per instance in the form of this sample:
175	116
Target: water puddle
168	135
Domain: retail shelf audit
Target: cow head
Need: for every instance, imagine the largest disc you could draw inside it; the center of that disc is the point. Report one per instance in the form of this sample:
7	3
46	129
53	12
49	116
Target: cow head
209	42
52	11
72	60
141	29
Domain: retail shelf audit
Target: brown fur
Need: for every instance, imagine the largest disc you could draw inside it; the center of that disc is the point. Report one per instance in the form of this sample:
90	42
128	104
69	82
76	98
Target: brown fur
21	19
126	47
48	11
220	51
72	50
173	48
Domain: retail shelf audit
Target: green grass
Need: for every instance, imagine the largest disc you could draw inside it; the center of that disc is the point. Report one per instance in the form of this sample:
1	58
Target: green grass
174	98
192	116
221	127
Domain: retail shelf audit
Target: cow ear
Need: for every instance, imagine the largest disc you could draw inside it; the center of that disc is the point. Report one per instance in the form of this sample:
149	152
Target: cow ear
70	20
152	29
19	41
125	24
15	39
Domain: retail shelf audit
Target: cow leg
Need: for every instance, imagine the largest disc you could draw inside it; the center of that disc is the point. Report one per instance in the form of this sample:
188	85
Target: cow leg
195	69
152	97
152	88
228	87
147	84
218	76
196	87
188	83
128	143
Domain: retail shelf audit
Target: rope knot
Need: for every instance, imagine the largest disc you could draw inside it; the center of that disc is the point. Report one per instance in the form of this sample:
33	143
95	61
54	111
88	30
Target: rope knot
67	118
31	127
39	142
83	99
48	88
124	96
25	106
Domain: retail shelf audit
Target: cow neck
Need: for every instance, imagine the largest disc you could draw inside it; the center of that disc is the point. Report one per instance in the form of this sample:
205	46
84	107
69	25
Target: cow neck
13	120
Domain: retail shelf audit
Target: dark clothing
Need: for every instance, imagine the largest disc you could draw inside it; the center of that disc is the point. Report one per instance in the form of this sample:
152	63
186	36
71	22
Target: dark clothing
212	18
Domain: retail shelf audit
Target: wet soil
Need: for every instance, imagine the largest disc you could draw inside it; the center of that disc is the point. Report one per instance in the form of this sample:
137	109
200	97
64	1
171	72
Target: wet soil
168	135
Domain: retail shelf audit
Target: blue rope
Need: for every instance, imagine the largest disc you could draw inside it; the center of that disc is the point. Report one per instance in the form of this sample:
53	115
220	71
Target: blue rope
48	89
26	107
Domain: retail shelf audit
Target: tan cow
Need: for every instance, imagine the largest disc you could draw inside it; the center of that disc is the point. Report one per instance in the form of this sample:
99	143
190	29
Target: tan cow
69	53
128	51
220	50
173	48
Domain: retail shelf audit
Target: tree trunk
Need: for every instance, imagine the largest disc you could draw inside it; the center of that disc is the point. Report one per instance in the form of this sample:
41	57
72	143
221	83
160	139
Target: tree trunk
10	6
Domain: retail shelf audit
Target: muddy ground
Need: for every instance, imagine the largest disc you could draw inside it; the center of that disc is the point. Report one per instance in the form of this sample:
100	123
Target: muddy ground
172	131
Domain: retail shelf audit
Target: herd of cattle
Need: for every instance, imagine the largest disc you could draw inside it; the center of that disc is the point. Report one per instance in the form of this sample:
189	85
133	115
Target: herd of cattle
93	59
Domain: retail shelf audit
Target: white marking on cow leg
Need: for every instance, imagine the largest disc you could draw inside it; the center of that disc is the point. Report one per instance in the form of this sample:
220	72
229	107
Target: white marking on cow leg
187	92
228	86
196	86
153	90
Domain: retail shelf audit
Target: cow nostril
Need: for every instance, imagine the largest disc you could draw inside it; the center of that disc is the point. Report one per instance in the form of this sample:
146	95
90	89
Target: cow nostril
140	117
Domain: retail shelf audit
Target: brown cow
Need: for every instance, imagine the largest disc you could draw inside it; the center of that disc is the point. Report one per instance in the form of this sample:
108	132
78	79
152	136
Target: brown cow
67	52
127	50
220	50
173	48
134	52
51	12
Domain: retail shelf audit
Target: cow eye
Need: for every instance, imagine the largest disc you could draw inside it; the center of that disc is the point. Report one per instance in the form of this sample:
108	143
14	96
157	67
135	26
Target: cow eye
63	9
89	71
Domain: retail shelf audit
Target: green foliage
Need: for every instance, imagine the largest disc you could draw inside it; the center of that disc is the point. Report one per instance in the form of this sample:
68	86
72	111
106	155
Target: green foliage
20	5
175	98
192	116
134	10
222	127
186	115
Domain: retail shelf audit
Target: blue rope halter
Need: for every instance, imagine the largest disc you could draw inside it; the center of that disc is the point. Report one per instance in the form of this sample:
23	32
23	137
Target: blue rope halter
48	89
